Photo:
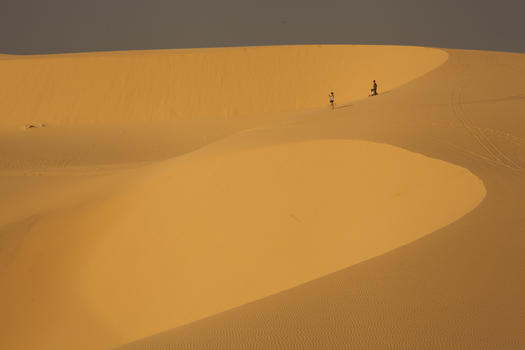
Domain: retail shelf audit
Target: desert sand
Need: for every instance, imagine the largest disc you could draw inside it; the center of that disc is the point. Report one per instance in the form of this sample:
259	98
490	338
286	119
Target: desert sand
211	198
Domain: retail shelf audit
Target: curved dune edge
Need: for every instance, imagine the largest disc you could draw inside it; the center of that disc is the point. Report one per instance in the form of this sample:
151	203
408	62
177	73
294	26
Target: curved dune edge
123	107
271	218
203	84
198	235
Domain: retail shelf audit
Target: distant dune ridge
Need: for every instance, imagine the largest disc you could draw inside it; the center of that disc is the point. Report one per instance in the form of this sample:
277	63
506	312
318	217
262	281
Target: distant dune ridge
211	198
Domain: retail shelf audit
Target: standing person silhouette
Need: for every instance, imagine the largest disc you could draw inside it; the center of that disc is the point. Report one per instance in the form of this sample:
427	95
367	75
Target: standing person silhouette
374	89
332	99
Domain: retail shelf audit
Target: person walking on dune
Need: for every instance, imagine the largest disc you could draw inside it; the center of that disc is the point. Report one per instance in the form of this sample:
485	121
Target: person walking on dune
332	99
374	89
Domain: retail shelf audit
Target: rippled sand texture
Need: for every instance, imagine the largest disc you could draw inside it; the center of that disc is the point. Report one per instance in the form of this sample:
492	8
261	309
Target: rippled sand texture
214	193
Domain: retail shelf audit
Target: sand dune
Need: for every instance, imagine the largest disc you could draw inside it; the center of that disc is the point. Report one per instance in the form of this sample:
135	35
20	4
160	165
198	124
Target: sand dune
114	228
198	84
459	287
157	255
106	107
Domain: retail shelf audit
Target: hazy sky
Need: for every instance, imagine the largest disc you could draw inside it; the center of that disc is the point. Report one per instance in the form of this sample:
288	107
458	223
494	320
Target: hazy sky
48	26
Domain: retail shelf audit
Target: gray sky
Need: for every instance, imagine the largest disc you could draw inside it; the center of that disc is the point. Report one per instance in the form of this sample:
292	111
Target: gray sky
50	26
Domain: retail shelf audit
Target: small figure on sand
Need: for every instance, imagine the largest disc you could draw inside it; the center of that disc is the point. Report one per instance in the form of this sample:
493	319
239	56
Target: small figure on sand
332	99
374	89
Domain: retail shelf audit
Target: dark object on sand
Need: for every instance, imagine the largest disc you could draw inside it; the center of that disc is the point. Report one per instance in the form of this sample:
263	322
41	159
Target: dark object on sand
374	89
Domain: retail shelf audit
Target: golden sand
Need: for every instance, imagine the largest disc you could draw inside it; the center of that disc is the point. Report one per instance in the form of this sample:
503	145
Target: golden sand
169	186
